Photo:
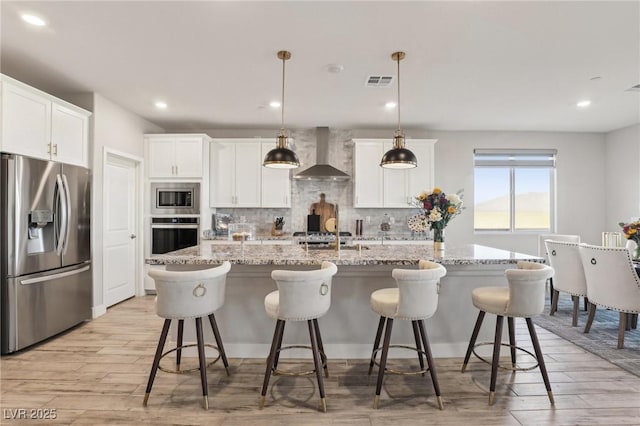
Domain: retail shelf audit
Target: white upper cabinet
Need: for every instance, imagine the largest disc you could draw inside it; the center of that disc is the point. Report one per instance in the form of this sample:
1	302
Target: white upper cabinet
176	155
375	186
39	125
276	183
235	173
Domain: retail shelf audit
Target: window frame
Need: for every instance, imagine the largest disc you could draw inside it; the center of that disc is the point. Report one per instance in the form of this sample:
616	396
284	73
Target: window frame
518	159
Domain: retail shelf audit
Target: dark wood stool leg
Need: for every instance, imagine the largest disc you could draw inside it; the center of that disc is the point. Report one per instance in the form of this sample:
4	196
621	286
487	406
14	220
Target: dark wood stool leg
472	342
554	303
496	358
203	363
179	351
277	334
156	359
634	321
318	363
416	336
621	328
316	328
552	294
216	334
376	343
576	307
586	303
383	361
512	340
540	358
592	314
430	363
278	346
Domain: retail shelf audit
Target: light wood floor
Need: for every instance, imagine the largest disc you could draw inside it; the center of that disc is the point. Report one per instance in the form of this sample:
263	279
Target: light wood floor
96	374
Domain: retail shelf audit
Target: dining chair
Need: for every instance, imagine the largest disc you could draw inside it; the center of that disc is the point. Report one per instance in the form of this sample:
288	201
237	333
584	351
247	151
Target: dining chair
542	252
569	278
612	283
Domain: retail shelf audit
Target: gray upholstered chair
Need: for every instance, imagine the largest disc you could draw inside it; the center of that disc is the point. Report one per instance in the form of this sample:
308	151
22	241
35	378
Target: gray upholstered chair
523	298
414	299
301	296
189	295
569	277
612	282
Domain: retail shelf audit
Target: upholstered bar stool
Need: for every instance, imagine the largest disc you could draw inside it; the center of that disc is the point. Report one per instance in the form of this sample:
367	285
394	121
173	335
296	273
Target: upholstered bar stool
301	296
415	299
523	298
184	295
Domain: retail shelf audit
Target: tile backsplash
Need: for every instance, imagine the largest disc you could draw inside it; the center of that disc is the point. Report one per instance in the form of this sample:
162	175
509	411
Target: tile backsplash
306	192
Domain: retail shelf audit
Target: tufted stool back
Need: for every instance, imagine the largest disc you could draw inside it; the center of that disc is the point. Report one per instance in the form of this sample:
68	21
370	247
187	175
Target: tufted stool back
418	289
301	295
526	289
190	294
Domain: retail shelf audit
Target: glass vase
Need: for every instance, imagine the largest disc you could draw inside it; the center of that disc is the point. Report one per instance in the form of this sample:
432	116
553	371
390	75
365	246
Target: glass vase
438	239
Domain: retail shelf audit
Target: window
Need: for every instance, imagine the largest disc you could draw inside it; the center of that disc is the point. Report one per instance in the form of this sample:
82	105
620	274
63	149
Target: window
514	190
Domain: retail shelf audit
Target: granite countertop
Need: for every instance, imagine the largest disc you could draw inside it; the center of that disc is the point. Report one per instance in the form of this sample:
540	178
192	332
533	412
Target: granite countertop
242	254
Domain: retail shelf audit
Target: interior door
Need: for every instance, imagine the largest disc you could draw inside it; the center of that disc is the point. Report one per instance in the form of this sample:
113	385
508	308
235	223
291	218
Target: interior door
119	267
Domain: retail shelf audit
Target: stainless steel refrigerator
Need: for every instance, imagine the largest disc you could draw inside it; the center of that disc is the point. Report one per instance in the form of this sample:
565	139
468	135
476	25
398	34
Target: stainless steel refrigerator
45	250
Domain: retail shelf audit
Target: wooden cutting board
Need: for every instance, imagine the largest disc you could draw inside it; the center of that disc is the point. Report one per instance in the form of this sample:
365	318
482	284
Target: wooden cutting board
325	210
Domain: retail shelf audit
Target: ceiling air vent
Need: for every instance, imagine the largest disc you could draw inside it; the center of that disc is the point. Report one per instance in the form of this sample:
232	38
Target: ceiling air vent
379	81
635	88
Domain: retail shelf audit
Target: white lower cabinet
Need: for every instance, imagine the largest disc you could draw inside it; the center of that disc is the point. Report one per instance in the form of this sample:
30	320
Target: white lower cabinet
375	186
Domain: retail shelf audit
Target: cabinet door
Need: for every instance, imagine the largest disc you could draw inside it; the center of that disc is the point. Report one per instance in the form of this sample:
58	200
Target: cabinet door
368	175
69	136
26	122
247	174
395	188
222	170
276	183
188	158
162	158
421	178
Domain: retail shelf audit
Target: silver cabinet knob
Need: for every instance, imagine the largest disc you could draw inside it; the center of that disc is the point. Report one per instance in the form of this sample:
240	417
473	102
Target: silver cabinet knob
132	236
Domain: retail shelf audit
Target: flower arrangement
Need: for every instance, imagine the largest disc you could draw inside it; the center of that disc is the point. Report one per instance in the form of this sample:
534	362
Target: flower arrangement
631	230
439	208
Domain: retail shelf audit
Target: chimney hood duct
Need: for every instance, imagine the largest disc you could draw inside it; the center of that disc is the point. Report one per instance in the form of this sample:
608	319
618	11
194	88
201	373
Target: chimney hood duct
322	170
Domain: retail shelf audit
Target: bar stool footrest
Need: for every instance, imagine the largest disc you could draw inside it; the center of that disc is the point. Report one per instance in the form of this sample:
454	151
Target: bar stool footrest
190	370
505	367
401	372
279	372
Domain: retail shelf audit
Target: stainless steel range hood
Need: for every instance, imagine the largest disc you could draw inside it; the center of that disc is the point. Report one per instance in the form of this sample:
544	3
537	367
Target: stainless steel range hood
322	170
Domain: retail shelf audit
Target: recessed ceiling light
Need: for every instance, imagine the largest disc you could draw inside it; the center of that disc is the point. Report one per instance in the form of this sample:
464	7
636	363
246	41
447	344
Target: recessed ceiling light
583	104
274	104
161	105
335	68
33	20
390	105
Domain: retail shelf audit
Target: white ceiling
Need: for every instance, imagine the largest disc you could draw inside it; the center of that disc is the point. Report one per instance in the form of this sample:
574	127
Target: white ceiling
469	65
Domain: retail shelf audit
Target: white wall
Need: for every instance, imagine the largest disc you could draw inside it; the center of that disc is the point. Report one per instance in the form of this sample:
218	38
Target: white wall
623	176
121	130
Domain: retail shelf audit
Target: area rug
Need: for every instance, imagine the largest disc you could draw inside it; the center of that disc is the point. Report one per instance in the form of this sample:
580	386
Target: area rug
601	340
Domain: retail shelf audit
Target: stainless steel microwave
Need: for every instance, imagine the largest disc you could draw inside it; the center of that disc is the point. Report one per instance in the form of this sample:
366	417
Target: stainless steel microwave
175	198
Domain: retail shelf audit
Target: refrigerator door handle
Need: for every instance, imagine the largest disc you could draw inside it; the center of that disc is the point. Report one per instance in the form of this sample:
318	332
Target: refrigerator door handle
54	276
64	213
65	242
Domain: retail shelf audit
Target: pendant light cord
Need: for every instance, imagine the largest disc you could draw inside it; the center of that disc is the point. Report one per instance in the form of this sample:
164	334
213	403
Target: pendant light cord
398	60
284	59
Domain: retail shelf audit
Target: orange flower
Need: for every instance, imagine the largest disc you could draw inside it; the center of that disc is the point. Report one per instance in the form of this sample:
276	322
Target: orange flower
437	190
451	209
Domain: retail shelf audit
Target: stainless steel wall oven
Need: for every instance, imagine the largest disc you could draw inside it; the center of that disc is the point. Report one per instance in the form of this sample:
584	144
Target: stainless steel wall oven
175	198
174	233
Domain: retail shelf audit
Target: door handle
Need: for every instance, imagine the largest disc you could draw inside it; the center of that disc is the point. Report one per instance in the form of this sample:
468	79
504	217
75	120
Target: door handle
132	236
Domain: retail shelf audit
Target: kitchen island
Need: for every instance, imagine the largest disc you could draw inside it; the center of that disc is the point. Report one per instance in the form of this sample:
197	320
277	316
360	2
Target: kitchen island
349	327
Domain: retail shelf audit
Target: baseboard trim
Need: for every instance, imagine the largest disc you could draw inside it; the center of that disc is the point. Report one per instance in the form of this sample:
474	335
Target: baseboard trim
98	311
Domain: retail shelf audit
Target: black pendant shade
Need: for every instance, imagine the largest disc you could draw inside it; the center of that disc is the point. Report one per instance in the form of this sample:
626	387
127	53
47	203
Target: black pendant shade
281	157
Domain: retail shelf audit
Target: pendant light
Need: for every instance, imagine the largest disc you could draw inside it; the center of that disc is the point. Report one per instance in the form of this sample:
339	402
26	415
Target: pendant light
398	157
281	157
